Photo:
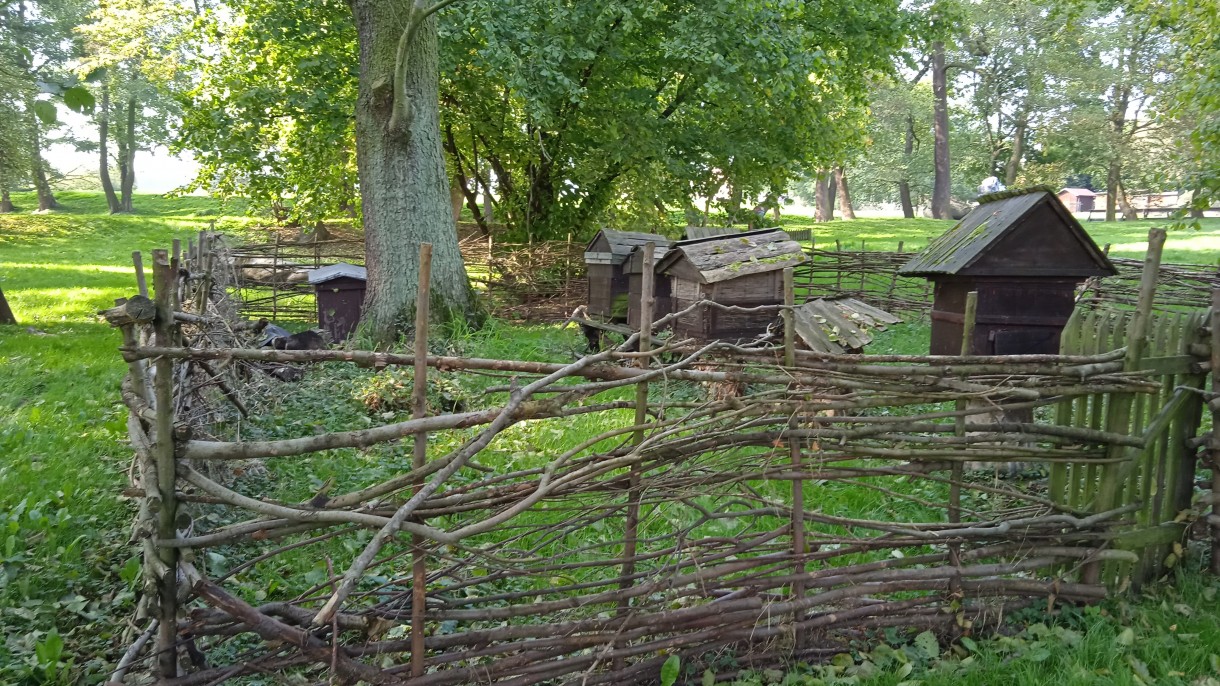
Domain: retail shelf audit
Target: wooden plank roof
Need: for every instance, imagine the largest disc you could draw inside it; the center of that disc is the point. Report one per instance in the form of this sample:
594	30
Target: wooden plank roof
693	232
635	263
720	258
621	243
962	246
839	325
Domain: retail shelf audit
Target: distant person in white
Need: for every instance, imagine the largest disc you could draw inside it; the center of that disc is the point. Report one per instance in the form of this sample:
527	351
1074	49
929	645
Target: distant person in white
990	184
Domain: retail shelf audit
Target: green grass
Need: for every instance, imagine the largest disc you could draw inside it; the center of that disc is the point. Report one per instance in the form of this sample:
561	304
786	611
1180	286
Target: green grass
63	453
67	571
1127	239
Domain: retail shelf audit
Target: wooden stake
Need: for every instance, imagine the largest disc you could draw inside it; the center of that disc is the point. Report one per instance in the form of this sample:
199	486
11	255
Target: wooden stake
419	405
1215	442
648	299
137	259
1118	416
794	456
163	450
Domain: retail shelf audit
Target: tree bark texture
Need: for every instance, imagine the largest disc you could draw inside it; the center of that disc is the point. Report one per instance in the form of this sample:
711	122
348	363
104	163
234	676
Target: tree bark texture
904	186
824	200
38	170
941	184
1018	148
403	184
127	157
845	207
103	148
6	314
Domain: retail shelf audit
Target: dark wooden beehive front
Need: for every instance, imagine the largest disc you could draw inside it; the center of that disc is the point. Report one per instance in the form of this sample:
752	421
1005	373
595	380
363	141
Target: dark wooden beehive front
744	269
1024	254
606	259
339	305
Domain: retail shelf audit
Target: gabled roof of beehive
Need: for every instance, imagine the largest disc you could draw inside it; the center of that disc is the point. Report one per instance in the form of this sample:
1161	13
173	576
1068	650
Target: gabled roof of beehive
614	247
721	258
635	263
995	223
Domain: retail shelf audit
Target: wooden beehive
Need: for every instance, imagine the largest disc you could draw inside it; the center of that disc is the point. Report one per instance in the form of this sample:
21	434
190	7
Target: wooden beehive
634	268
339	289
743	269
1025	254
605	257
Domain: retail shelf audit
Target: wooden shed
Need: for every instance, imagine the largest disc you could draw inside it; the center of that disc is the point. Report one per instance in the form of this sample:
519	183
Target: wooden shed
1077	199
1025	254
634	268
339	289
605	258
744	269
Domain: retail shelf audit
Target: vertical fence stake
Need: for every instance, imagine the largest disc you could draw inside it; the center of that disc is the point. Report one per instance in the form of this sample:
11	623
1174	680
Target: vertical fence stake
631	525
957	470
794	456
137	259
1118	417
1215	443
419	407
164	278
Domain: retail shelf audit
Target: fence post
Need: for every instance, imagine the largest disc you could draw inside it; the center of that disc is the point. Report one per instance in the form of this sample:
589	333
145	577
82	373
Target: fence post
631	525
794	456
419	407
275	282
1214	404
1118	418
164	278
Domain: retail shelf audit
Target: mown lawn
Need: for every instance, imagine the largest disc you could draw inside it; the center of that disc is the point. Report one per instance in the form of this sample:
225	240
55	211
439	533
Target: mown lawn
66	570
64	574
1126	239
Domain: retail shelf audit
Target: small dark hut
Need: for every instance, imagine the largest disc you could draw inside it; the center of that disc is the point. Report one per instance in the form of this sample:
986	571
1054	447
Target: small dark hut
634	269
605	258
340	294
743	269
1025	254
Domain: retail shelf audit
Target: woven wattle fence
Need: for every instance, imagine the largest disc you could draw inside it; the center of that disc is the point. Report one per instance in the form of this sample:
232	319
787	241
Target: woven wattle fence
665	515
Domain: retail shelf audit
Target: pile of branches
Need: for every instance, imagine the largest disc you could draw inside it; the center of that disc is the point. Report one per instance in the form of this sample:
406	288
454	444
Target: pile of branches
871	276
1179	286
685	530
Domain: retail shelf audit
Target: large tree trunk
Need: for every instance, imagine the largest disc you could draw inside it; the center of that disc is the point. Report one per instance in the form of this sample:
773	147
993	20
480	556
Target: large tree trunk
6	202
127	158
824	199
38	171
6	314
941	187
103	148
845	207
1018	148
904	186
403	185
1113	175
1129	212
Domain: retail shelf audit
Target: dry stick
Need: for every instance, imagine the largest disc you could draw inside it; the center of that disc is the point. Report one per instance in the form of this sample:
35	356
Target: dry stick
419	401
1118	419
130	655
1215	438
137	259
631	525
503	420
273	630
794	451
163	449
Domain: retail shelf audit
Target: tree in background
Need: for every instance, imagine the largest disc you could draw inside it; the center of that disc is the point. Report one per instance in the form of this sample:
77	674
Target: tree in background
1194	101
269	115
133	54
